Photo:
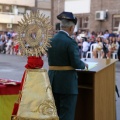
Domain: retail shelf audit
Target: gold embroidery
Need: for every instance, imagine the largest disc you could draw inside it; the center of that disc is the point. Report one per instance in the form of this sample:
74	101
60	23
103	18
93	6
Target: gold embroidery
37	102
46	108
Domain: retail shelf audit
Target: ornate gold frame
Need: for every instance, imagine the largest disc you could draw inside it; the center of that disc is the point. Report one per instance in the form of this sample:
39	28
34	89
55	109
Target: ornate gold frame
38	25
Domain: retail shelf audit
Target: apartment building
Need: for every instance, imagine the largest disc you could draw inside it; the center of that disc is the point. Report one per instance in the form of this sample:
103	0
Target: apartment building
51	8
93	15
11	11
45	7
112	20
96	15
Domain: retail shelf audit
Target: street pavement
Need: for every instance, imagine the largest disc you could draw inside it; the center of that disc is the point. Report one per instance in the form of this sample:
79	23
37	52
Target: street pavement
12	67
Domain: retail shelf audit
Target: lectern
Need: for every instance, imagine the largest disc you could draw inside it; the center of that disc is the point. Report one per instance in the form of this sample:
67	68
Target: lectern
96	98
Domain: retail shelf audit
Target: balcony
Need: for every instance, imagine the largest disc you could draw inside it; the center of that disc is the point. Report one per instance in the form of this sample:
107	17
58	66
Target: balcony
30	3
10	18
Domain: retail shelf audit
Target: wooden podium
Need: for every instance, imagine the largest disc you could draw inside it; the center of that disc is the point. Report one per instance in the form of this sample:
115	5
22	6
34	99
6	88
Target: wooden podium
96	99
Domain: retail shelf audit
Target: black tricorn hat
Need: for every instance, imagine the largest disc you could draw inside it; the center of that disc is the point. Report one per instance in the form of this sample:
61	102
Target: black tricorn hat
68	16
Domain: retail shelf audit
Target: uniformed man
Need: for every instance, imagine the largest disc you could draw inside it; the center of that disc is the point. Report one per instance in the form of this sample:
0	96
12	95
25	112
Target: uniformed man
63	59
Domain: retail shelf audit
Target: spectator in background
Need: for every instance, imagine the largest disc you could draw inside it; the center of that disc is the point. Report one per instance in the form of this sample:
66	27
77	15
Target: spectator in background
111	34
8	45
118	52
80	35
113	46
93	34
3	35
106	34
105	52
74	36
85	47
79	41
79	31
9	34
88	34
100	34
16	47
14	34
3	45
91	41
98	47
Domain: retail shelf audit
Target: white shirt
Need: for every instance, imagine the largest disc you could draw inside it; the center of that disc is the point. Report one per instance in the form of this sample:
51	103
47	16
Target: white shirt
9	42
78	37
85	46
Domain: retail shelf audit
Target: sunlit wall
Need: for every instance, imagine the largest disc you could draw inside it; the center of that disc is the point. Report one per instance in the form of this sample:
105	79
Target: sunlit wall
77	6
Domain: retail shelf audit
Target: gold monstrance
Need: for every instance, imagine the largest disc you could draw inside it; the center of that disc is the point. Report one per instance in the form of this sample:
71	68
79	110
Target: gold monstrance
34	34
36	100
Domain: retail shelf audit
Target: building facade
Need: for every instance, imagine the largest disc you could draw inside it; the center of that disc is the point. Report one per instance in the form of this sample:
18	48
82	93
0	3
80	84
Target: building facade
51	8
11	11
45	7
96	15
112	8
59	6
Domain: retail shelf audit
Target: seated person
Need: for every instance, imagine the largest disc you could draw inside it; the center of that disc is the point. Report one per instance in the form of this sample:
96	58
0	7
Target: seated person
98	47
105	53
113	46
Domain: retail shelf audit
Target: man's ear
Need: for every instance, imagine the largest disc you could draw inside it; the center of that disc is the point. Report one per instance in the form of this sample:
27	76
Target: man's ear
71	28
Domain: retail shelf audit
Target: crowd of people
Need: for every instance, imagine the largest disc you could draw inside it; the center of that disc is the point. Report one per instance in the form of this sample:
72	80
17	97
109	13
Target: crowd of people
8	43
103	43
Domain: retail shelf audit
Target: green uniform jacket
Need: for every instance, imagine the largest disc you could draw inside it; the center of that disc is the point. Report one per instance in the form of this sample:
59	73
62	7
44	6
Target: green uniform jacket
64	52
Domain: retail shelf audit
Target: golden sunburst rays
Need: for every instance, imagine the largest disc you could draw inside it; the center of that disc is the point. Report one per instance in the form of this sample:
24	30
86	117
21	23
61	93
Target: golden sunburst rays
34	34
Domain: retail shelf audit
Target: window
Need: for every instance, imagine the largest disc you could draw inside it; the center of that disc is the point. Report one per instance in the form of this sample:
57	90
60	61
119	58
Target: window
7	8
46	12
85	22
116	21
21	10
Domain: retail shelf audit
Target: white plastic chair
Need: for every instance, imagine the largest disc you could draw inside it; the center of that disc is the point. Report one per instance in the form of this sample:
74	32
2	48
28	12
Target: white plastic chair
114	55
91	51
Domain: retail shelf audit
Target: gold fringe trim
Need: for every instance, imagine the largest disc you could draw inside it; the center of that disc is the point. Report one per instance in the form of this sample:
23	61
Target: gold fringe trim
21	118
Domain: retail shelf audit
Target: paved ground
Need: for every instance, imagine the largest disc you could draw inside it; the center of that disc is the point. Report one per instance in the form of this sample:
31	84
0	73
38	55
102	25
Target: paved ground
12	67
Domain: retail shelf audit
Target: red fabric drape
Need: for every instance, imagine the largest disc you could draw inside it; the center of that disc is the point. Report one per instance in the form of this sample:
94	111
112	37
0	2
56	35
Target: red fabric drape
34	62
16	105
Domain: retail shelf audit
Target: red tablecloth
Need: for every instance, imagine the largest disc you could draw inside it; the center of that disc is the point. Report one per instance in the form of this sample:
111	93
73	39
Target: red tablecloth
9	87
9	90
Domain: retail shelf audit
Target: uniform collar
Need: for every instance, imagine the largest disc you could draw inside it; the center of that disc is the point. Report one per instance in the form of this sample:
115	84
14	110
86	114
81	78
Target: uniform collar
65	32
